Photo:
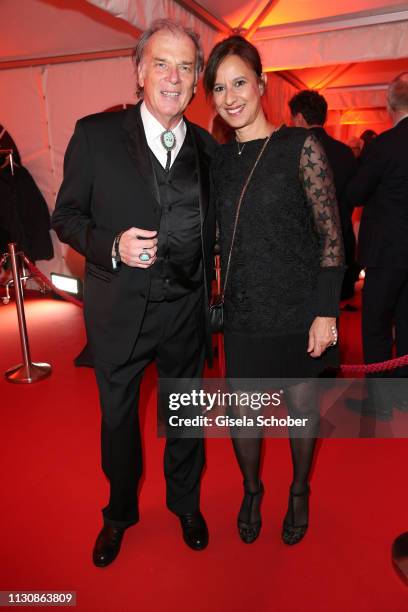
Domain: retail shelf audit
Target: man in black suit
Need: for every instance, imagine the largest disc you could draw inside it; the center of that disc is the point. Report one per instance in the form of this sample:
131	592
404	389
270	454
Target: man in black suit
381	185
134	202
309	110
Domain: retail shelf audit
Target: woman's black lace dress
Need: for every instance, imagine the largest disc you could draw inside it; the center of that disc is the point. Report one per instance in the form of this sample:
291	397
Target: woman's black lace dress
287	260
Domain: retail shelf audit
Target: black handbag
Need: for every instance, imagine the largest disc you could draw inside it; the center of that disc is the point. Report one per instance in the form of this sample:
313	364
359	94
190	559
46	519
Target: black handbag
217	303
217	314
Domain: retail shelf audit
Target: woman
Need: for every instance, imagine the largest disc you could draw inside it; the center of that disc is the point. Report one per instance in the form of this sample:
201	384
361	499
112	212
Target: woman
286	266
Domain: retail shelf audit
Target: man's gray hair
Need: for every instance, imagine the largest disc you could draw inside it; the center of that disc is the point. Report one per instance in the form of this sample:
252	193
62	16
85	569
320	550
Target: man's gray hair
398	92
177	29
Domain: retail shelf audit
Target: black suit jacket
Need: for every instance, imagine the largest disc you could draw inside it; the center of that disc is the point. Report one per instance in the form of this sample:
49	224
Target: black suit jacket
381	185
109	185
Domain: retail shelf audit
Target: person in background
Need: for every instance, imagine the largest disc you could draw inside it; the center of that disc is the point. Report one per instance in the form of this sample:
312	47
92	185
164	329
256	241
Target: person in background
367	138
381	186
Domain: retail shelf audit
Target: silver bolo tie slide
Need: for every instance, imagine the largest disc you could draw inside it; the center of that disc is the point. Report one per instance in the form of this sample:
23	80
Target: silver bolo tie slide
168	140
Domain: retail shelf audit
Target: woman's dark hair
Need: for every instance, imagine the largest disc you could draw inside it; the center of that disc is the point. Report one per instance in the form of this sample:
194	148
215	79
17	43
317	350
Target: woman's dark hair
234	45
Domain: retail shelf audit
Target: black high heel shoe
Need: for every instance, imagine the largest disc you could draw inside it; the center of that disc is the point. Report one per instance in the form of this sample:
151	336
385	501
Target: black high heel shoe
291	532
249	530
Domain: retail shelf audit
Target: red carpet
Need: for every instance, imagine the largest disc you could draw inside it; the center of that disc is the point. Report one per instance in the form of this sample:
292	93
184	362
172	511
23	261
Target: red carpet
52	490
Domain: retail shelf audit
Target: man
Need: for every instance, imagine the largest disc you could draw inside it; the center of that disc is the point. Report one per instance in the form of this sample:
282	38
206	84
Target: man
134	202
309	110
381	184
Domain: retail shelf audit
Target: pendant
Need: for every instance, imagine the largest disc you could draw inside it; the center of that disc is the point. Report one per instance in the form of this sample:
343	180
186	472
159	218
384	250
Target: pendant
168	140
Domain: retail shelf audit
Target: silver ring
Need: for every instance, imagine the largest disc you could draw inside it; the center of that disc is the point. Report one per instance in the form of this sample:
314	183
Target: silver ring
145	256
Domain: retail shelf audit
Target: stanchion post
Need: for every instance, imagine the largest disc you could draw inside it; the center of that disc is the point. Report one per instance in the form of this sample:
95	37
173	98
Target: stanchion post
26	372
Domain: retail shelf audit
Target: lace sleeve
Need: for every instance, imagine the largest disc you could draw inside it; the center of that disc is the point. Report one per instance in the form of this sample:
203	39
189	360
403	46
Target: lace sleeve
317	179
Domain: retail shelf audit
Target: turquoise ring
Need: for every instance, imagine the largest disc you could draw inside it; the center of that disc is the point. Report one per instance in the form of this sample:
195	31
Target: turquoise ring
145	256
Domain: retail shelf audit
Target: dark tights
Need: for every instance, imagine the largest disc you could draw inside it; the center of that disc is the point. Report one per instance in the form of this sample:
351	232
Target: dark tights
302	402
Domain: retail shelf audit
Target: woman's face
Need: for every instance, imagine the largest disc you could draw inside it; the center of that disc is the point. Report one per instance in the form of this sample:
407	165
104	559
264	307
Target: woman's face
237	92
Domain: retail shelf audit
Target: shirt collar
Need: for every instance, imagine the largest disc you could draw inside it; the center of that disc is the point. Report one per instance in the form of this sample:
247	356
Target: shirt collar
153	128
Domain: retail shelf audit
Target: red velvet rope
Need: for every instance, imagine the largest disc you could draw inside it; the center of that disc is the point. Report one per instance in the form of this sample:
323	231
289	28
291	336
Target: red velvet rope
371	368
380	366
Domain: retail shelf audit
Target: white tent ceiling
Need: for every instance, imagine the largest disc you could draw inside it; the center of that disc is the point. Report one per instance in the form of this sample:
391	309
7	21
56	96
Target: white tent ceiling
49	28
242	13
350	49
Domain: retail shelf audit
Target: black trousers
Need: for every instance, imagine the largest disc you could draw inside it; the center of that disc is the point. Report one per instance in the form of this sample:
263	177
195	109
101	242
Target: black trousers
385	303
172	334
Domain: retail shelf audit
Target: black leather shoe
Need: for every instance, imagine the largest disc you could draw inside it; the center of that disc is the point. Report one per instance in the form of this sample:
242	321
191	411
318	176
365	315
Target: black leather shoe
195	532
107	545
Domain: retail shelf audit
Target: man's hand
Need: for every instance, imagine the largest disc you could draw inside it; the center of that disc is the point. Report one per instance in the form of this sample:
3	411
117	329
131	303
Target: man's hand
322	334
135	241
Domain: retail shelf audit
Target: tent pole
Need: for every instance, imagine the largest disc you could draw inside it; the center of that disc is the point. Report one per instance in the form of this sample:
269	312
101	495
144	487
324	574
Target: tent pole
65	59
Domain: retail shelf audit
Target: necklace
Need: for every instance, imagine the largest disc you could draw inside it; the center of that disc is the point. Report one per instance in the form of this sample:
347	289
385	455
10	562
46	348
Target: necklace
240	150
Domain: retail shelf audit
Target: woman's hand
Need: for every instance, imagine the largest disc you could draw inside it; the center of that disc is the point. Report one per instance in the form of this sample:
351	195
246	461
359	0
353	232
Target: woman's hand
322	334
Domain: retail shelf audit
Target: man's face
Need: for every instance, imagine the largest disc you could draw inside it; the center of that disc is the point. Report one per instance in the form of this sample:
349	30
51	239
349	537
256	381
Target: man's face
167	73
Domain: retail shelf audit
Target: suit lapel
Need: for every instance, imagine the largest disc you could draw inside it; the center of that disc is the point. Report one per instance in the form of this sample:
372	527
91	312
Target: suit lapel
138	149
202	163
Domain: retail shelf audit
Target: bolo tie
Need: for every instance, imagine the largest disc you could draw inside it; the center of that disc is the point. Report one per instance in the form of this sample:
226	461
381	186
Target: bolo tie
168	141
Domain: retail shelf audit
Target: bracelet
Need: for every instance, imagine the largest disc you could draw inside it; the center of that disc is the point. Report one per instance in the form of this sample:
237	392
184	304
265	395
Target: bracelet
116	248
335	335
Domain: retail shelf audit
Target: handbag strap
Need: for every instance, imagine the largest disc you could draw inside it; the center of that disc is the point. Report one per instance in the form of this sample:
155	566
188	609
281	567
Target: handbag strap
241	197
